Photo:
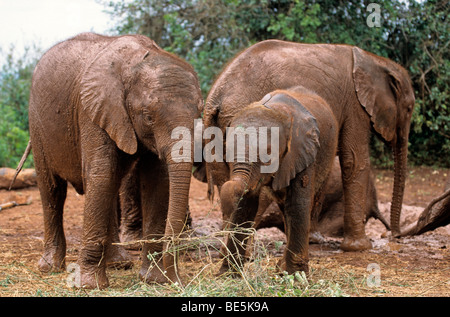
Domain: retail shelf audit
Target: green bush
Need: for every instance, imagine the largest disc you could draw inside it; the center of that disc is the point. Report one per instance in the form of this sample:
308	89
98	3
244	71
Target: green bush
208	33
15	82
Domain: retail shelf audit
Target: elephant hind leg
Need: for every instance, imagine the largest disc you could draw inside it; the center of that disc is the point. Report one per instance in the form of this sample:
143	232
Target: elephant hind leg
116	255
154	188
53	192
130	212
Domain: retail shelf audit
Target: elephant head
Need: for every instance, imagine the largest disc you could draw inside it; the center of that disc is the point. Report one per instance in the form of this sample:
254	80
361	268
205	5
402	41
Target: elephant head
384	89
293	145
139	94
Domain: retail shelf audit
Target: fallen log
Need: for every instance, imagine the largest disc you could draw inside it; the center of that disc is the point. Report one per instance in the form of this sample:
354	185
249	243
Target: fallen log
26	178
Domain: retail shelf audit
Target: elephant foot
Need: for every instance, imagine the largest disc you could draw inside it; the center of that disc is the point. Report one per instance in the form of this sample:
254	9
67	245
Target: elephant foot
129	237
226	270
356	244
93	279
301	265
157	275
49	262
316	238
119	258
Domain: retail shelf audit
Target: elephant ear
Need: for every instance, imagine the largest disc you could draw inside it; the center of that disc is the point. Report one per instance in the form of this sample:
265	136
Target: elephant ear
377	89
302	141
103	90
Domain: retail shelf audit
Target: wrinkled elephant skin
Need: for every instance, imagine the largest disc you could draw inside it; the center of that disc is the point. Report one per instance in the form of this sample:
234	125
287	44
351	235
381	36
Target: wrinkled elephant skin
97	104
365	92
308	136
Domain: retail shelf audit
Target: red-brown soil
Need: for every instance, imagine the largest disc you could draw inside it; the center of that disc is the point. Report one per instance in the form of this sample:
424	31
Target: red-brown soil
410	266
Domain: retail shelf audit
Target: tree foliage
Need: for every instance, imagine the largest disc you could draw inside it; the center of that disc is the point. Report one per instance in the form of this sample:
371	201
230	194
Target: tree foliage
15	83
208	33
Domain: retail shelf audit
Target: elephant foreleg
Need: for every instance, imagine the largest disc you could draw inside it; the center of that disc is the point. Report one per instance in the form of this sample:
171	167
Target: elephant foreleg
101	189
239	235
297	214
355	166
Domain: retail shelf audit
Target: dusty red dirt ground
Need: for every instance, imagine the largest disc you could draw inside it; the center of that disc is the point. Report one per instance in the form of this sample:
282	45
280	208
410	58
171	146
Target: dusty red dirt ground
410	266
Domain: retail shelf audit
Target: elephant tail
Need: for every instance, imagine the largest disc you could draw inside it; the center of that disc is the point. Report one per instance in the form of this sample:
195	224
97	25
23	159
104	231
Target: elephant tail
375	213
22	161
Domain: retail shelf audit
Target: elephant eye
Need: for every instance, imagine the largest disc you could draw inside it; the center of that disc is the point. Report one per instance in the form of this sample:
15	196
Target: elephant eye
147	117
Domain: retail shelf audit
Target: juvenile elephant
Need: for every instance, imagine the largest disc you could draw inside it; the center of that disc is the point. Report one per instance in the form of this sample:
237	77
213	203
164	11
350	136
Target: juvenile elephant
307	141
97	104
364	91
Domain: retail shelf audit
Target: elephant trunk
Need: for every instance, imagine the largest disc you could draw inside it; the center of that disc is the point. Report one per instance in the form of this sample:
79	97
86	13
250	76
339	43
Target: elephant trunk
400	162
233	190
179	183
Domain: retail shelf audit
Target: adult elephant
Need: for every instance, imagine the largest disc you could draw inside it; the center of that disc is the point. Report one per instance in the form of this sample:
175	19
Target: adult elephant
97	104
365	91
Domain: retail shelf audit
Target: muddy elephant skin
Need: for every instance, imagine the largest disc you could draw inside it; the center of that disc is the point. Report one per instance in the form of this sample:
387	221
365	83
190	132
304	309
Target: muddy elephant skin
329	220
308	136
366	93
98	103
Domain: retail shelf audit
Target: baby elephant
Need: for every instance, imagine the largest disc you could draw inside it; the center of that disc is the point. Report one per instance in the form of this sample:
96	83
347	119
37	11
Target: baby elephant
307	140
